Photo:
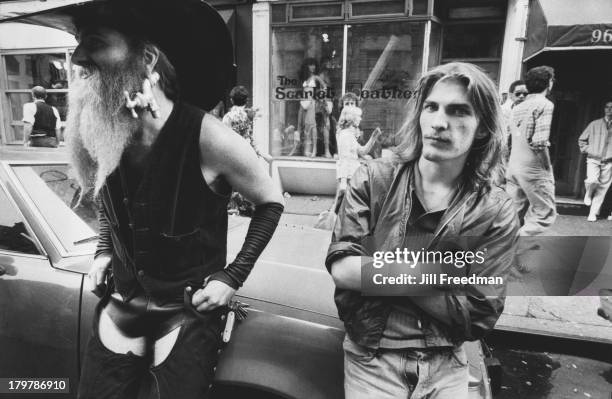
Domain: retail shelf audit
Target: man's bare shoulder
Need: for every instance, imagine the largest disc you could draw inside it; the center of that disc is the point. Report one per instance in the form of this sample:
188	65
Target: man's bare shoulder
217	139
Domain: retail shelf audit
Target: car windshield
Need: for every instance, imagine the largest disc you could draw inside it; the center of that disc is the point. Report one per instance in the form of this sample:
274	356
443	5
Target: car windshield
54	191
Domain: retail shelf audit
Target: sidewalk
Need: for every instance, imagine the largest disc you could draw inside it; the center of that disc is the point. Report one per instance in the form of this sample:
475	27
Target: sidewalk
570	317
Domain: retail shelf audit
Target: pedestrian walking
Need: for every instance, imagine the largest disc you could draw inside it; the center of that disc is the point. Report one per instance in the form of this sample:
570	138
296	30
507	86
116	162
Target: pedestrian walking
529	176
240	118
596	143
349	150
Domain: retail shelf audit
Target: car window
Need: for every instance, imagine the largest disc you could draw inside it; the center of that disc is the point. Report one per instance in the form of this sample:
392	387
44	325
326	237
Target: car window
13	234
55	193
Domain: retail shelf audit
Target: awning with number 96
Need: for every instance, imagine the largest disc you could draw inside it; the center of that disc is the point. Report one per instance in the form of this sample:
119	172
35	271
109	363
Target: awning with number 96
568	25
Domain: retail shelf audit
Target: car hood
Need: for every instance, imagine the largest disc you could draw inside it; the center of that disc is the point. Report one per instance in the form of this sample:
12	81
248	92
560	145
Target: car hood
291	270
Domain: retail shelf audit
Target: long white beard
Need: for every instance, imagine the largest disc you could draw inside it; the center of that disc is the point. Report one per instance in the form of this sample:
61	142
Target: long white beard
98	126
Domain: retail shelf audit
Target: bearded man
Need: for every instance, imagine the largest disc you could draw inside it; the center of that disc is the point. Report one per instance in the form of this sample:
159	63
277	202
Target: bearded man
163	170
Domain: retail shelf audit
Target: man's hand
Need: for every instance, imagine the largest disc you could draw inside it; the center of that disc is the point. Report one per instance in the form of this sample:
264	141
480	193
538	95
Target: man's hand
99	270
215	294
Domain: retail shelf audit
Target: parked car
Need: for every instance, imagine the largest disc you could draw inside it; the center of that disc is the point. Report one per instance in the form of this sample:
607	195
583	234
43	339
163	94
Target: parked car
290	346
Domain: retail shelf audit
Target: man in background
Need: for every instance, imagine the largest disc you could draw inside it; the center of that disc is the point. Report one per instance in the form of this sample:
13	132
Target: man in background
595	143
41	121
517	94
240	118
529	177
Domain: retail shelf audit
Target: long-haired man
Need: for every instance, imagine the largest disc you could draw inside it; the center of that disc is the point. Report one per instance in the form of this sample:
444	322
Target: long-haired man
163	169
438	189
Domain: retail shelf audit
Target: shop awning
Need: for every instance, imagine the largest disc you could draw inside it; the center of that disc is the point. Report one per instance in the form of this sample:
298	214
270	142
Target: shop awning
568	25
229	16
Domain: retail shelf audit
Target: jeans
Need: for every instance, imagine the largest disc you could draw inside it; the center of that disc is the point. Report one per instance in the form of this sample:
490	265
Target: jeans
186	373
533	193
433	373
599	178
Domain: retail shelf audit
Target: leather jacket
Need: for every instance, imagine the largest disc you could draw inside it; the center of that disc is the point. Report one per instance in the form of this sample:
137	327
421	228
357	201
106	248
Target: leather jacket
373	216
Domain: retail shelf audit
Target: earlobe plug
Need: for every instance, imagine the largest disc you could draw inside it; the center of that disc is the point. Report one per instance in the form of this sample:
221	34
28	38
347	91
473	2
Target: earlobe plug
131	104
144	99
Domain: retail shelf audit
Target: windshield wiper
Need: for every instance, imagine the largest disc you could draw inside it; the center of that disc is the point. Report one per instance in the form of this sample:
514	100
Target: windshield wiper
86	240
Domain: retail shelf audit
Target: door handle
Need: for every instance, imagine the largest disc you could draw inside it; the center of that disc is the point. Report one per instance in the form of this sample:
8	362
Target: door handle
2	270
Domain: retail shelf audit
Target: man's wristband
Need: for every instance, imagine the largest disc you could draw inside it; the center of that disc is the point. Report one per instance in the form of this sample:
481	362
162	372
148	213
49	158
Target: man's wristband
262	226
222	276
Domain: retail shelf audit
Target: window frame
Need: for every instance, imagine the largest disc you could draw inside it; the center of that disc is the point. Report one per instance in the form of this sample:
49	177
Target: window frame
290	8
6	129
347	16
12	203
476	60
48	230
427	22
407	10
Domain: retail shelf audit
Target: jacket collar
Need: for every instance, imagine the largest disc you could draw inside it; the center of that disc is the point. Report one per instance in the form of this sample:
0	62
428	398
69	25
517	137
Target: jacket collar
396	208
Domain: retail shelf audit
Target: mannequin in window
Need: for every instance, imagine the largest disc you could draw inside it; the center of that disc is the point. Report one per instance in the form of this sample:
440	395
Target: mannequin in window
307	115
325	125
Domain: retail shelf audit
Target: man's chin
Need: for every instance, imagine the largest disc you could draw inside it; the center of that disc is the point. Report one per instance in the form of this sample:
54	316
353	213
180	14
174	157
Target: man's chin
438	156
434	156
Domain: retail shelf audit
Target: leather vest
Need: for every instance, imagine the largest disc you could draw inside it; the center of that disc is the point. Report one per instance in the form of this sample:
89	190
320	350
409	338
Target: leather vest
170	230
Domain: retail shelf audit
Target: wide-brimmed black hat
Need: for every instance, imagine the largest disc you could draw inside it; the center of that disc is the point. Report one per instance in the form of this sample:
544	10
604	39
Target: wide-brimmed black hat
190	32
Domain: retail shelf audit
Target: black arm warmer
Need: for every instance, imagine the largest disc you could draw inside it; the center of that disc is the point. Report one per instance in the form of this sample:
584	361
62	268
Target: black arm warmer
105	243
262	226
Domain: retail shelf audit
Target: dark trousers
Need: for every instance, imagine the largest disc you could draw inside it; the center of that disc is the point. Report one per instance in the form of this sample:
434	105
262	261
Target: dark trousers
43	141
186	373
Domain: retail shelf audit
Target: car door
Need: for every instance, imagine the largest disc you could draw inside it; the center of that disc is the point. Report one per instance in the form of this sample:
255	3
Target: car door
39	305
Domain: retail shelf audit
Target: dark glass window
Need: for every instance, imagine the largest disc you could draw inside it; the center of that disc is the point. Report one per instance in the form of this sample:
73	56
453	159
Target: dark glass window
316	11
374	8
279	13
473	40
13	234
419	7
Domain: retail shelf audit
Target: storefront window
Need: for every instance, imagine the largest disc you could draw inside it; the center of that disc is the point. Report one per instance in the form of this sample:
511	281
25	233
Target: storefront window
383	62
24	71
307	79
